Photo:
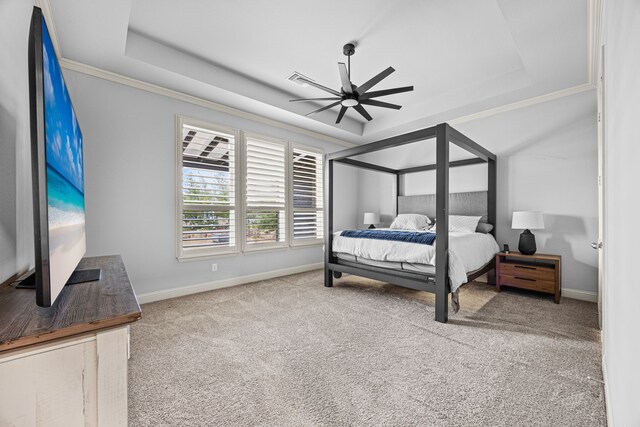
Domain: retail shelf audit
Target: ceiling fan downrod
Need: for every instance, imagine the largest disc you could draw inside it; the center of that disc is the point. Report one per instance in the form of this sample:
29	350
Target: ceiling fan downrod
348	50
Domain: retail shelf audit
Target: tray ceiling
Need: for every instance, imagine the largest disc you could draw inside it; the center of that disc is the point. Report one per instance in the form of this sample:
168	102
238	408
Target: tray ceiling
462	57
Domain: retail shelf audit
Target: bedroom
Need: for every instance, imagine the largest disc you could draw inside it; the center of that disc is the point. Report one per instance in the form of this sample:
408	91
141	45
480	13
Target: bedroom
132	74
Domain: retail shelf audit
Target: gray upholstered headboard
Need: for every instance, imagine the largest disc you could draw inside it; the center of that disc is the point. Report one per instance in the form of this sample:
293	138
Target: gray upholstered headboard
469	203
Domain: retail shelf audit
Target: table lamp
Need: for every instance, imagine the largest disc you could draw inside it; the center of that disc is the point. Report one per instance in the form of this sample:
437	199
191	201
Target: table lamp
527	221
371	218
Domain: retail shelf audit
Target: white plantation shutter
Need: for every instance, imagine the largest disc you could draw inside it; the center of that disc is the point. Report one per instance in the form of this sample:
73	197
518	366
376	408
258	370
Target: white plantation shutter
243	192
307	191
207	184
265	216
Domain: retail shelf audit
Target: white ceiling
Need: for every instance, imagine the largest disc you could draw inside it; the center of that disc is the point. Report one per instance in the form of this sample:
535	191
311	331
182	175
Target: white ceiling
463	57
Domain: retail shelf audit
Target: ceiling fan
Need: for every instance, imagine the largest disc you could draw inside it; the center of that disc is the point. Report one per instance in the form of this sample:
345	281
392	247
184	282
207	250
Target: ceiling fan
351	95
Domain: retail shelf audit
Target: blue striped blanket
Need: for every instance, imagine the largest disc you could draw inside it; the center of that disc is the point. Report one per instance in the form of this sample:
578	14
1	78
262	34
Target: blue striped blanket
420	237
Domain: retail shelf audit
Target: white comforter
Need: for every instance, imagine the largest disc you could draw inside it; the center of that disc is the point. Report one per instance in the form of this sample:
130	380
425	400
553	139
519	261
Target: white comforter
467	252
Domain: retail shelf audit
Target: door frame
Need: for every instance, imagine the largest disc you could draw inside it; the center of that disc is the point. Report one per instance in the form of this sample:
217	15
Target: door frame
600	90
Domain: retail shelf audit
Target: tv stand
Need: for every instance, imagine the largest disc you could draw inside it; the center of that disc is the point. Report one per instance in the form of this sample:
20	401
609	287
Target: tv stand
28	280
67	364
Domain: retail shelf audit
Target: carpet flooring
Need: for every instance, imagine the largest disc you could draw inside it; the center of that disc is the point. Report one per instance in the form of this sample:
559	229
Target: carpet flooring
289	352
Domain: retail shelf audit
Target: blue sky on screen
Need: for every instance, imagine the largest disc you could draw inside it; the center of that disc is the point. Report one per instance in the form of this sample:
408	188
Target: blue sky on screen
63	136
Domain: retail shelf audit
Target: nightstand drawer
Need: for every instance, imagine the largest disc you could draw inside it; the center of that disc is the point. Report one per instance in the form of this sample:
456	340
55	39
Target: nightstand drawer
528	283
528	271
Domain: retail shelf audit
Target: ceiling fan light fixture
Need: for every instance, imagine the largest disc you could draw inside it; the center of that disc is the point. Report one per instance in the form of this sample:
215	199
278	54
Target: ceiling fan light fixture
349	102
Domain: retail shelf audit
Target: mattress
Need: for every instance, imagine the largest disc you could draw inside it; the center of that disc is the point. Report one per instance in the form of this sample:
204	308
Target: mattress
468	252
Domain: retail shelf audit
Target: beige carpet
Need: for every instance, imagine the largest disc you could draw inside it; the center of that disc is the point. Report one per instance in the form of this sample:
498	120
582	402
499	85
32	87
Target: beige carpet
289	352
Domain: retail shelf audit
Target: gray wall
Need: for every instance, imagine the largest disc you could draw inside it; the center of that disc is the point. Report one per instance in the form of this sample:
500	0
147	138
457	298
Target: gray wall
129	137
621	290
16	223
461	179
547	161
376	193
345	187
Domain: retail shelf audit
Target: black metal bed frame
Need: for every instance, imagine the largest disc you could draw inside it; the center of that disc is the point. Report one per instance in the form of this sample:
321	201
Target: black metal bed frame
437	283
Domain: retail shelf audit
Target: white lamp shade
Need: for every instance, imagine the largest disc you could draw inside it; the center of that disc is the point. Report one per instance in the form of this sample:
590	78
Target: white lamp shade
527	220
371	218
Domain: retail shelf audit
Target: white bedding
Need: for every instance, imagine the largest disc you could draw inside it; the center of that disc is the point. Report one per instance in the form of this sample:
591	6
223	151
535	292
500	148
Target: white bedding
467	252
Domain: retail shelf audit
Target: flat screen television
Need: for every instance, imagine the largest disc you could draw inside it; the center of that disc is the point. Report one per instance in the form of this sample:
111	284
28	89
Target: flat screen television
57	172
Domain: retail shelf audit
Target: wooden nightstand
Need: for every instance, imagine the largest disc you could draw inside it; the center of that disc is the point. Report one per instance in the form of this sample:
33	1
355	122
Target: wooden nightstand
538	272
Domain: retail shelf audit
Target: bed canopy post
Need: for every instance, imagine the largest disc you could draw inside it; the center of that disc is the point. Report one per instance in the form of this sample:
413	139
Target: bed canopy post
442	223
397	192
492	193
328	221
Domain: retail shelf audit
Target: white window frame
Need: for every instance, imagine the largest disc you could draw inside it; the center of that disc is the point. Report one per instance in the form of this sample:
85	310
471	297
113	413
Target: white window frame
193	254
305	242
240	148
272	245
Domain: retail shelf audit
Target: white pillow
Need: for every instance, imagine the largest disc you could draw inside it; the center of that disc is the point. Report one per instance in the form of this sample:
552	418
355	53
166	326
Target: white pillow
411	222
461	224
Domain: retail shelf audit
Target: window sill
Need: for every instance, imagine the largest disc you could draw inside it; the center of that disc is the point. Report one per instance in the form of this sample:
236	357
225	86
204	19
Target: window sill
264	247
253	250
278	249
306	244
205	256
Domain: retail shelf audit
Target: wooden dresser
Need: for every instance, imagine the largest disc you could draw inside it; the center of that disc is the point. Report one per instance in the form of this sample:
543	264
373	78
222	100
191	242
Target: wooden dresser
67	365
538	272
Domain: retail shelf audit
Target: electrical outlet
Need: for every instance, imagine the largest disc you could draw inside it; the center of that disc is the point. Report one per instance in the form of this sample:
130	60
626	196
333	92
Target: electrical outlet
214	267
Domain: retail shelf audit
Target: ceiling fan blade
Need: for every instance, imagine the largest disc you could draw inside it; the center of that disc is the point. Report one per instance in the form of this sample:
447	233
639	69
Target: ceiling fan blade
326	107
375	80
314	99
319	86
341	114
380	104
360	109
385	92
344	77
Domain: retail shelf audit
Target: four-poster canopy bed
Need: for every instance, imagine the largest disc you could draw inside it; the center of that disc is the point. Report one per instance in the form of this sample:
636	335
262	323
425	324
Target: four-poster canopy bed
440	205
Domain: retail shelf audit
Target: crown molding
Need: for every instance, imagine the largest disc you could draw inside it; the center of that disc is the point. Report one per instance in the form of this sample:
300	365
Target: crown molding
181	96
594	42
524	103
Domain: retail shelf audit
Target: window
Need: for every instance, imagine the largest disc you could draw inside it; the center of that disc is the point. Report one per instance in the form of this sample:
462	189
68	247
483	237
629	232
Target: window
239	192
207	176
265	189
306	196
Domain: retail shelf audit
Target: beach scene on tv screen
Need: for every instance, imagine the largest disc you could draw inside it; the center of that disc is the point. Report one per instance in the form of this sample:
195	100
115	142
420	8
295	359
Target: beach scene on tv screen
65	173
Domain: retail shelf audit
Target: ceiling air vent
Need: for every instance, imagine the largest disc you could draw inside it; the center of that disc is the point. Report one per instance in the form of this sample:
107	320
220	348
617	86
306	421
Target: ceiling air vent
299	78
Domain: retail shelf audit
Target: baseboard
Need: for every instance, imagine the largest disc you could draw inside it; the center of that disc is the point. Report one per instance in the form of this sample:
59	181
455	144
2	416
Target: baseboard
219	284
581	295
566	293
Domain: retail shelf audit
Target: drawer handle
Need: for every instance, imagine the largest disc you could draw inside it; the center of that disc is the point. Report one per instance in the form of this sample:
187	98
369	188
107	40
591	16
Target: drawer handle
525	278
525	267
